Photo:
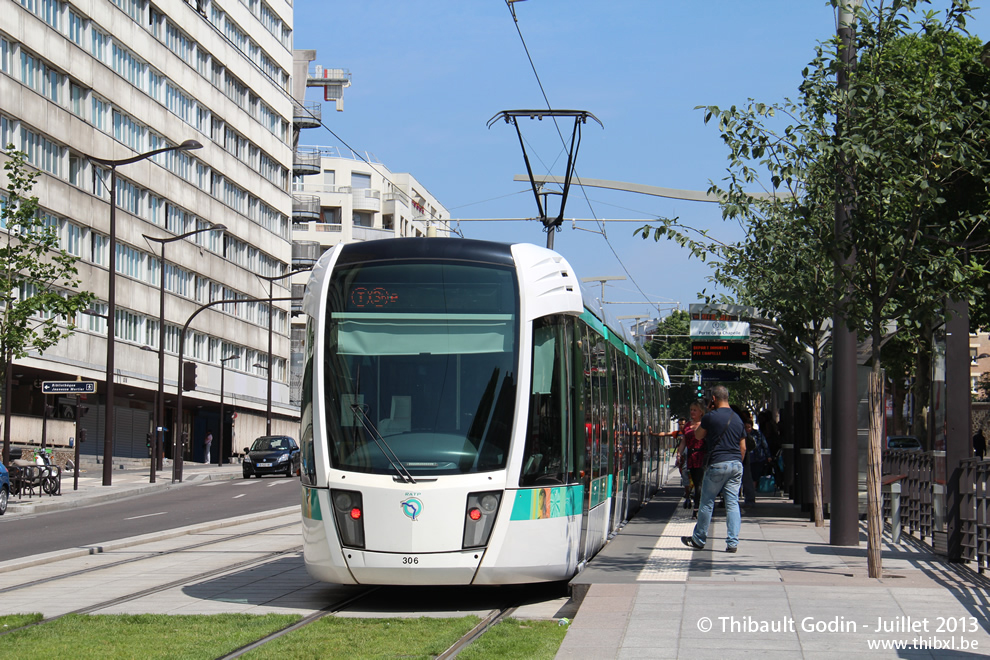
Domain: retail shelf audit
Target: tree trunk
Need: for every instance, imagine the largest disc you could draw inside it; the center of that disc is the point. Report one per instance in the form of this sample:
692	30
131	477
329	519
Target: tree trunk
874	503
922	387
816	441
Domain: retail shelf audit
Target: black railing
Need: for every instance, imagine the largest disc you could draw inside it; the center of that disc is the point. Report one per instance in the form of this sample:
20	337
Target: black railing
923	501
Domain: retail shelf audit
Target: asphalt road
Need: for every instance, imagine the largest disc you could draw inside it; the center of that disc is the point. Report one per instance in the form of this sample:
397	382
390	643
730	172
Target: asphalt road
23	536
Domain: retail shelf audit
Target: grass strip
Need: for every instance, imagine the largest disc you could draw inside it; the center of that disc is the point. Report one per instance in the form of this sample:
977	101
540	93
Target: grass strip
511	638
361	639
146	636
11	621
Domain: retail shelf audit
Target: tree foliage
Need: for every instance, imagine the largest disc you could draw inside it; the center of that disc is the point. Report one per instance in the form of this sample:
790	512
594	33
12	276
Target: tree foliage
39	284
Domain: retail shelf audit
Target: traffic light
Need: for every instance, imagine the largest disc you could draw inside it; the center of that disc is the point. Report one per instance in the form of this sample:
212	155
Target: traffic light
699	391
188	376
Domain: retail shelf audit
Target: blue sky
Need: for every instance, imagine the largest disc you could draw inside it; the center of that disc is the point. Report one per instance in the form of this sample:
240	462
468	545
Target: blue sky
429	74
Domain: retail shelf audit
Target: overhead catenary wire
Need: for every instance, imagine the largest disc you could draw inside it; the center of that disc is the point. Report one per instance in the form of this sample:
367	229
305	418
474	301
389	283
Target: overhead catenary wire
601	225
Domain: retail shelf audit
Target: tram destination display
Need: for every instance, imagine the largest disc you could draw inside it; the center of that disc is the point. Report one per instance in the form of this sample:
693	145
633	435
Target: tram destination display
719	351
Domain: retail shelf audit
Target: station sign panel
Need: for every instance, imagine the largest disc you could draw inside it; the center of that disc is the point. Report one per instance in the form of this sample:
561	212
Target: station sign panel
719	329
719	351
68	387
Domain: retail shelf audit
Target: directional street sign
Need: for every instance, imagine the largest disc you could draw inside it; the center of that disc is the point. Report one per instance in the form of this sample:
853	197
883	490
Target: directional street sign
68	387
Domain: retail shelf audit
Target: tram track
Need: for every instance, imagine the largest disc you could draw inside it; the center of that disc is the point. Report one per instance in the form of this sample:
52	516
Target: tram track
495	616
158	588
142	557
489	620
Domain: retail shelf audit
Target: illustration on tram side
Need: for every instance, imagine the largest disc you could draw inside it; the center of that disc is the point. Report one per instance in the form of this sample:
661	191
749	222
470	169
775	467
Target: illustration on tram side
469	416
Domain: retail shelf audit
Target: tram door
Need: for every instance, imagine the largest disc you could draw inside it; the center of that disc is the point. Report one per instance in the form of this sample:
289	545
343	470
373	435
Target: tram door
582	410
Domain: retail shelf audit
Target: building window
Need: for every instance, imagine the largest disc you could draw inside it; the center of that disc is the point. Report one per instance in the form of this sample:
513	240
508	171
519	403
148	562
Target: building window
99	249
101	112
128	66
77	168
128	131
51	13
100	46
72	235
76	28
77	100
41	152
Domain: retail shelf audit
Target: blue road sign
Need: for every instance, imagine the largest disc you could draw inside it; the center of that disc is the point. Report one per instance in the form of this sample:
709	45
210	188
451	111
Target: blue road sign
68	387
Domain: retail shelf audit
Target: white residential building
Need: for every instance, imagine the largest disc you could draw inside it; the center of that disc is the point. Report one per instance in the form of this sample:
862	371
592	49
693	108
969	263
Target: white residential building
343	197
112	79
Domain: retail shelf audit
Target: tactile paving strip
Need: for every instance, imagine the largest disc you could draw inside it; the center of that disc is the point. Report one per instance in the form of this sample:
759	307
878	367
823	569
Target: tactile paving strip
670	559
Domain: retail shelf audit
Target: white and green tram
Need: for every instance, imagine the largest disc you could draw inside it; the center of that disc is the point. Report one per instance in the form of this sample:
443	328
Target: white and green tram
469	416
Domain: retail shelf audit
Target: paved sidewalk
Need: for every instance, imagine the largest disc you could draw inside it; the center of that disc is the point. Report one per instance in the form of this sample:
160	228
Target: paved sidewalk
787	593
134	479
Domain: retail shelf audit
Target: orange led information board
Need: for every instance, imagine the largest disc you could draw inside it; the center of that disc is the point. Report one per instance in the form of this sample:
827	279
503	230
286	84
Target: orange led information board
719	351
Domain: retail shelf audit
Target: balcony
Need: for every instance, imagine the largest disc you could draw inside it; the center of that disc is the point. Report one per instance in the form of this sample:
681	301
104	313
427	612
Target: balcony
393	200
371	233
366	199
305	254
307	115
305	208
297	292
305	162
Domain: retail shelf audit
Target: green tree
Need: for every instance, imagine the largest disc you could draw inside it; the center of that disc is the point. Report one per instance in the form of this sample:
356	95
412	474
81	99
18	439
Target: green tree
39	296
671	347
912	131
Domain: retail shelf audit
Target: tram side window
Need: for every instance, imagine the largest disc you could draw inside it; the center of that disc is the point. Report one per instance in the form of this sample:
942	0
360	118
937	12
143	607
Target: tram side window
545	459
308	457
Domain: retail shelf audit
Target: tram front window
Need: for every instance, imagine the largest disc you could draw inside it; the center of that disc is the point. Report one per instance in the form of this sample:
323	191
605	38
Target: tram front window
421	365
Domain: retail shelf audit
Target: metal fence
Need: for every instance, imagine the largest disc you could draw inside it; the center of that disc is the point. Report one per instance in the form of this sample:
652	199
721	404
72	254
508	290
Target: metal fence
923	502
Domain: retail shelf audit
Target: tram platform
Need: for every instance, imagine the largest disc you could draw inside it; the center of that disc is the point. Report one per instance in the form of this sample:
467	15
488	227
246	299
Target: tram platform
786	593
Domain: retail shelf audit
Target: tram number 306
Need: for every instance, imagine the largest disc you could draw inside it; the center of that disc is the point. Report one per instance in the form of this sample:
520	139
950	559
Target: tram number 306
410	561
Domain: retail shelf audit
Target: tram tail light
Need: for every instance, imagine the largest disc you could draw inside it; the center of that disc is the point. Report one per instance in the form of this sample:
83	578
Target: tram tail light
348	513
480	518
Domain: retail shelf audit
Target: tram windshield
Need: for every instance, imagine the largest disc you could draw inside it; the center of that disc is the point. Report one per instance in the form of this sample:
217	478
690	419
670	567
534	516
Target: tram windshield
425	351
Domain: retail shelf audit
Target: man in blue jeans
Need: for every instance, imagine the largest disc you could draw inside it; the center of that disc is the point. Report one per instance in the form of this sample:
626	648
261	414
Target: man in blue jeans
725	438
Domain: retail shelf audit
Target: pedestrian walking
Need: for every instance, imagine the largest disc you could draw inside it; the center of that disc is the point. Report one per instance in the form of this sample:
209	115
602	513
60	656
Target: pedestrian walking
207	441
979	444
725	437
692	454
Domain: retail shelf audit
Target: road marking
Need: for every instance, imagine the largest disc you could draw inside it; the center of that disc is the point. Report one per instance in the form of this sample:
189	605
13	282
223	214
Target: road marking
148	515
279	483
236	496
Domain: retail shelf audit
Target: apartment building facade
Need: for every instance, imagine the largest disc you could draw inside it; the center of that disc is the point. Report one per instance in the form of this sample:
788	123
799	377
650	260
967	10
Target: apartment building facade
114	79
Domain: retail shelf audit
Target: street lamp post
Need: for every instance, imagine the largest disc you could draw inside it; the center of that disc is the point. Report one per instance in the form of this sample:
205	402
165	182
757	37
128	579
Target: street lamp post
271	281
223	367
112	297
177	455
159	449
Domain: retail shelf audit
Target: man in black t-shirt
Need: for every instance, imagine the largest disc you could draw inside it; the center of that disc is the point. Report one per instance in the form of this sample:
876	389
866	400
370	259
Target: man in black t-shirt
725	439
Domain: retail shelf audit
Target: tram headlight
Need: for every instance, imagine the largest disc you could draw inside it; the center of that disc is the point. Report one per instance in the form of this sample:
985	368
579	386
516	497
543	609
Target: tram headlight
348	508
480	518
